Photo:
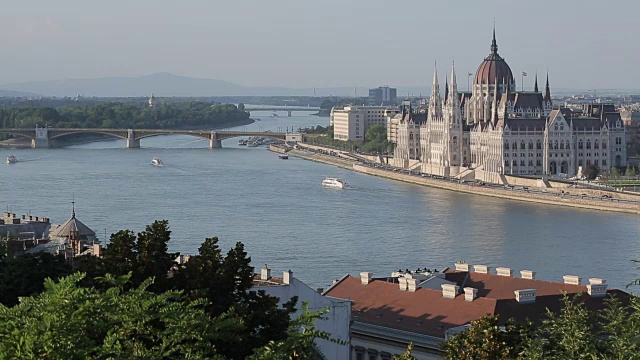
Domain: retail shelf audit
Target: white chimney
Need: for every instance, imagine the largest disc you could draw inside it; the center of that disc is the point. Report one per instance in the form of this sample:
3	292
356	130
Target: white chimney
481	269
597	281
449	291
97	250
504	271
402	281
365	278
461	266
265	273
470	293
287	276
526	296
572	279
597	290
528	274
412	285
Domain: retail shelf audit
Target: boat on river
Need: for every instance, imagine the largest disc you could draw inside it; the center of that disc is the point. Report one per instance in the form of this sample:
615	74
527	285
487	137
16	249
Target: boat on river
156	162
11	159
283	156
334	183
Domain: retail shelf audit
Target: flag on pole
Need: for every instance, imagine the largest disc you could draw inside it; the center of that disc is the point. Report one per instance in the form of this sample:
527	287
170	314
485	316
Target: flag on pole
470	74
524	73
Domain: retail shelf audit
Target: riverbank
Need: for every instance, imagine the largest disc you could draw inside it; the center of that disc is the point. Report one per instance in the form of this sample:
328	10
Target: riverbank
79	139
555	197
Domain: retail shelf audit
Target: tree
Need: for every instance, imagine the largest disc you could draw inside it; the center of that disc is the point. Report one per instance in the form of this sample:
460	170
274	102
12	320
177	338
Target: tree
67	321
615	173
24	275
327	104
407	355
376	133
240	107
153	259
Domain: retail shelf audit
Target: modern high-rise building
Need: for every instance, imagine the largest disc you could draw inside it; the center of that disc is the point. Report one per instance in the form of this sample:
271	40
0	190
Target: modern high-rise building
383	95
350	123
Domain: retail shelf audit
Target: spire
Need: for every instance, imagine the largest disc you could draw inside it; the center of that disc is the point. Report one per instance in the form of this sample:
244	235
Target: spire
547	92
73	209
446	89
535	85
453	90
494	44
435	103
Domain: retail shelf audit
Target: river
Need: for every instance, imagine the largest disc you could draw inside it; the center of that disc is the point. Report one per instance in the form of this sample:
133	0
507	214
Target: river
287	220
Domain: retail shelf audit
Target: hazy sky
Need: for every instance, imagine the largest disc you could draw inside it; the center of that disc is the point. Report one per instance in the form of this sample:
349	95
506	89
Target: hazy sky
303	43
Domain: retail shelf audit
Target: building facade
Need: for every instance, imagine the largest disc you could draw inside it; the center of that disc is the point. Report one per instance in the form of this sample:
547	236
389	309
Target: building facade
350	123
382	95
495	130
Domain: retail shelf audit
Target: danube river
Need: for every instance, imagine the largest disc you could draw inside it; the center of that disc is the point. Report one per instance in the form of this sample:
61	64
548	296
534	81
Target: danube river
286	219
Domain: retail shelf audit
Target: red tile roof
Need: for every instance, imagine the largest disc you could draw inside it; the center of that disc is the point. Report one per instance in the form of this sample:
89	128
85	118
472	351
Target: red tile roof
425	311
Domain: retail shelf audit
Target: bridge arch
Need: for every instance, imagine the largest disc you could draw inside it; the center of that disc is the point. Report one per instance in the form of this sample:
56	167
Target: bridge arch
19	134
55	135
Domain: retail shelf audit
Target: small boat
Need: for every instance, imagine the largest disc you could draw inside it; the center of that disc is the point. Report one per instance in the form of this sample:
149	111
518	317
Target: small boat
242	142
156	162
11	159
283	156
334	183
252	144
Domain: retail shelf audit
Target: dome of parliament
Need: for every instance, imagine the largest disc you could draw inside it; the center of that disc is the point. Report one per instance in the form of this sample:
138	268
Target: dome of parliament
494	68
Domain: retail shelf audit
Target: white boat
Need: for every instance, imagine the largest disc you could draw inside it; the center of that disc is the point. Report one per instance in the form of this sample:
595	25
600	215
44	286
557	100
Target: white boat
11	159
156	162
334	183
283	156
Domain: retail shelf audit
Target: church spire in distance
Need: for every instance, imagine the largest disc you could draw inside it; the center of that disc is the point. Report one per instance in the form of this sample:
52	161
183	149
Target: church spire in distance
547	92
494	44
535	85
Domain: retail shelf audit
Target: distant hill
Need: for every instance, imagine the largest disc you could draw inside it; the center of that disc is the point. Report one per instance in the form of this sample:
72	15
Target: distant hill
11	93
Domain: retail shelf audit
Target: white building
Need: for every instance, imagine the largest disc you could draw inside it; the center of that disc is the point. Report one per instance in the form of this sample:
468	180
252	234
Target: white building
495	130
336	320
351	122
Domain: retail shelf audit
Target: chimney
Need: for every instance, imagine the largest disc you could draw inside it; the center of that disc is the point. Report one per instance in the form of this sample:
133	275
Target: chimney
319	290
412	285
265	273
449	291
470	294
481	269
504	271
572	279
97	250
528	274
365	278
597	287
526	296
287	276
462	266
402	281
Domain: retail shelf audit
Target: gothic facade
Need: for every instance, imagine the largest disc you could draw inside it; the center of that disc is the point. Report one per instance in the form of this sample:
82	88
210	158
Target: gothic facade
495	130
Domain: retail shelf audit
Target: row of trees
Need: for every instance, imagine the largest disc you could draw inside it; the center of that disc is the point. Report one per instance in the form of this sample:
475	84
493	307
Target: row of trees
136	302
124	115
375	140
574	333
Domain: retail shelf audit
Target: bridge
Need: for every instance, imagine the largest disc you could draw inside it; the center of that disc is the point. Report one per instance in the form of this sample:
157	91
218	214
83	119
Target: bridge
288	109
44	137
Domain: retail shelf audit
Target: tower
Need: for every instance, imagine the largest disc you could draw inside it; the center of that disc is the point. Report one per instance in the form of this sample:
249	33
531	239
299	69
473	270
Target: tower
435	101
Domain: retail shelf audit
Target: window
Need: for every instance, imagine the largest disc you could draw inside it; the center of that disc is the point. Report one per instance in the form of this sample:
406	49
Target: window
567	146
580	145
506	154
514	163
604	162
506	145
588	144
580	162
596	162
604	144
506	163
521	162
539	145
514	145
538	163
530	145
530	162
618	141
595	145
522	145
561	145
555	145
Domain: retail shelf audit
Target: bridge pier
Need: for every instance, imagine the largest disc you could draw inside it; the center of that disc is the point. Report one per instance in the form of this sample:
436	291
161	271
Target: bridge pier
215	142
132	142
42	138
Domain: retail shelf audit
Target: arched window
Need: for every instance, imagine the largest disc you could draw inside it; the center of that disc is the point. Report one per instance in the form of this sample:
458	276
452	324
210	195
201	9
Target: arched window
530	145
588	144
580	145
411	136
455	141
604	144
506	145
555	145
514	146
522	145
539	145
567	146
561	145
515	163
596	145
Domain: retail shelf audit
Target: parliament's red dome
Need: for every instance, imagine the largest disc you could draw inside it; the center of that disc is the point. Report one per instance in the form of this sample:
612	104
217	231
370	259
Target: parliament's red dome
494	67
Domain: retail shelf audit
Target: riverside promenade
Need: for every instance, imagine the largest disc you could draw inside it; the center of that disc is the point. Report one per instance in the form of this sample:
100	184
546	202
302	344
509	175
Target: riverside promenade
570	197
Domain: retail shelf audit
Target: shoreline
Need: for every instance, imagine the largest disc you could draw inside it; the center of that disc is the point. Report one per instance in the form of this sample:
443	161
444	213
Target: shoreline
21	143
598	205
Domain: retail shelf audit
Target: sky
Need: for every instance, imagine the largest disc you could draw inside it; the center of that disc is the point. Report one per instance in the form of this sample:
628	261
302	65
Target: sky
302	43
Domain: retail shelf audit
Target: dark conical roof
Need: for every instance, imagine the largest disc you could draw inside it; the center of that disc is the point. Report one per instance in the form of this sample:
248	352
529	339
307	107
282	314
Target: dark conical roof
72	225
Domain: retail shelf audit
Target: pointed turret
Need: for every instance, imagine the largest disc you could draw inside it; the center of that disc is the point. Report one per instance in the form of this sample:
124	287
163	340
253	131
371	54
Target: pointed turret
453	91
446	89
494	44
535	85
435	102
547	92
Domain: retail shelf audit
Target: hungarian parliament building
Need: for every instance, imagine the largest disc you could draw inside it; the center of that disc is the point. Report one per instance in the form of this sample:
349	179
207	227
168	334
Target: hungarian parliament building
494	130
